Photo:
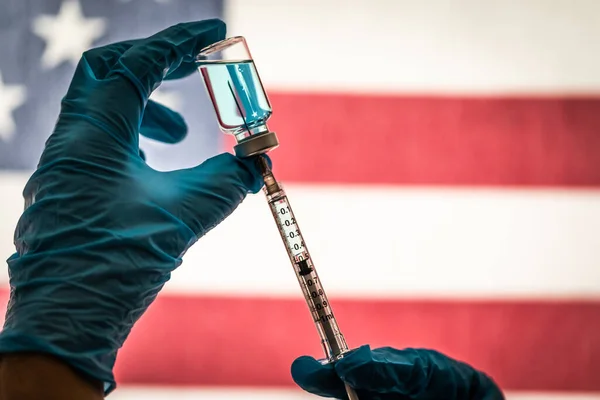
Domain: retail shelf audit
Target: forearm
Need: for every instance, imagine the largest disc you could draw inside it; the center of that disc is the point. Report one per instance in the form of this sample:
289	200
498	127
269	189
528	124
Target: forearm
38	376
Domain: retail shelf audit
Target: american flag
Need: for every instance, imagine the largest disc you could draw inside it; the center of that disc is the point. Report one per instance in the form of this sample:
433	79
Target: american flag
442	158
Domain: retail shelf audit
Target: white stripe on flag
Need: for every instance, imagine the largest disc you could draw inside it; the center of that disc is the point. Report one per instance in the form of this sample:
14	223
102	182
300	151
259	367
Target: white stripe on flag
396	242
470	46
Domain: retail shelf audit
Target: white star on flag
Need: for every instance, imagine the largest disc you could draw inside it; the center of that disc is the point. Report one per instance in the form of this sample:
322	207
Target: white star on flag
67	34
11	98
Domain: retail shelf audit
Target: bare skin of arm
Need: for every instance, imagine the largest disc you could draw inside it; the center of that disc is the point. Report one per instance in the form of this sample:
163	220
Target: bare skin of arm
37	377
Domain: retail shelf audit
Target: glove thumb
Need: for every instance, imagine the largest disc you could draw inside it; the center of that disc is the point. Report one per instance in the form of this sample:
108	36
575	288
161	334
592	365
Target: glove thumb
316	378
211	191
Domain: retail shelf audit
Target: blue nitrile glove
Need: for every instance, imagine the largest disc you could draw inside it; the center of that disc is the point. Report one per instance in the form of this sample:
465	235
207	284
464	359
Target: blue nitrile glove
102	231
390	374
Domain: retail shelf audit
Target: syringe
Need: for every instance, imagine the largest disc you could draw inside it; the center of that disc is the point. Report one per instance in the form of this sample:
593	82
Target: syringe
332	340
243	109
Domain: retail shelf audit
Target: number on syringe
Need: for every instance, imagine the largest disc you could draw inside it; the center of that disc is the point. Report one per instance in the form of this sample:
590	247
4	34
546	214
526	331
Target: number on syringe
298	246
288	222
289	229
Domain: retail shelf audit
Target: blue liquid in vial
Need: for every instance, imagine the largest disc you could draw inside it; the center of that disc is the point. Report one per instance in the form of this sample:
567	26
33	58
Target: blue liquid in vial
237	95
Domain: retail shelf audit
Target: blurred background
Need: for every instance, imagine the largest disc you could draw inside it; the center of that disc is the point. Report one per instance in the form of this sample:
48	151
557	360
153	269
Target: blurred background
442	157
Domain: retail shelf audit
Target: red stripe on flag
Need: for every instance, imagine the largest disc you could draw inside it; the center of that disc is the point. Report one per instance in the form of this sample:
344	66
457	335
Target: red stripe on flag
347	138
249	341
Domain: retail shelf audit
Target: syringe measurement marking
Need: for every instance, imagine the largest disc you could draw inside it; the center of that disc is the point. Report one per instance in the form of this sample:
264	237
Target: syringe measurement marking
315	296
313	292
332	340
287	223
312	289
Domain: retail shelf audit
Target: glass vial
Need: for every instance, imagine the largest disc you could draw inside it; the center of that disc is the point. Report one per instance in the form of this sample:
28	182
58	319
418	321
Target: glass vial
237	94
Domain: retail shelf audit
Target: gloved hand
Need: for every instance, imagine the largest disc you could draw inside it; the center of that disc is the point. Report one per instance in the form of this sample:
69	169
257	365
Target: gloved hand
390	374
102	231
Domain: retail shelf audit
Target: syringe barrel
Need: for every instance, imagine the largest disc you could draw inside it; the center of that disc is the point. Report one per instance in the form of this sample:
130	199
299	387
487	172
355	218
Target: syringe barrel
332	340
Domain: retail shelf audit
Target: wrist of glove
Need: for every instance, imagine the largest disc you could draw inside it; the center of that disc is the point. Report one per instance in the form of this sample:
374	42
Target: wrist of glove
388	373
85	314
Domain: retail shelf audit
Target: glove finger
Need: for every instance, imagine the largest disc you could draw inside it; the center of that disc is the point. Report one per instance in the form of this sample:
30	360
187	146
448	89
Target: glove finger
163	124
185	69
147	63
101	60
115	105
140	70
316	378
212	191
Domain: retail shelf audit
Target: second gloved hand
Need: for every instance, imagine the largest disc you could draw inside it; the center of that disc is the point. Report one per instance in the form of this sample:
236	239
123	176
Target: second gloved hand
390	374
